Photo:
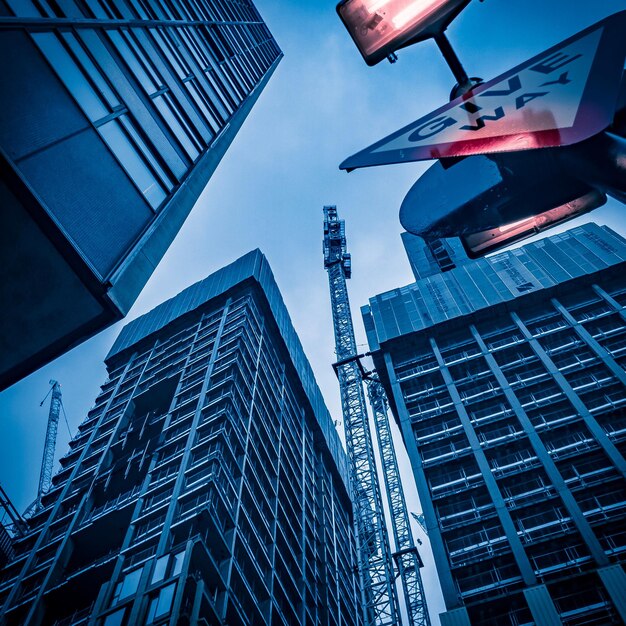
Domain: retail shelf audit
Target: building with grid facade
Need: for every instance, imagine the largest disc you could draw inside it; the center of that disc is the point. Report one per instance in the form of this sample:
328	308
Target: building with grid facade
207	485
507	377
115	114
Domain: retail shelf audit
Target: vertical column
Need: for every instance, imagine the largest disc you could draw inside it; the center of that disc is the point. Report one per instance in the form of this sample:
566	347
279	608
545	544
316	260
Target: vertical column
585	335
504	516
163	545
103	595
44	531
542	454
612	301
614	579
246	457
169	517
446	581
541	606
274	524
594	428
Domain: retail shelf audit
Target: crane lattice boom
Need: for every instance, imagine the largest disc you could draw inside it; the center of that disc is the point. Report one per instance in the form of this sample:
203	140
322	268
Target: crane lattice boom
380	600
406	554
49	448
375	557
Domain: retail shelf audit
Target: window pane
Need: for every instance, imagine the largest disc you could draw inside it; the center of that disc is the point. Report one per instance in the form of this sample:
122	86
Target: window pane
132	162
178	563
165	108
162	604
159	569
148	82
75	81
131	582
94	72
115	619
166	597
147	152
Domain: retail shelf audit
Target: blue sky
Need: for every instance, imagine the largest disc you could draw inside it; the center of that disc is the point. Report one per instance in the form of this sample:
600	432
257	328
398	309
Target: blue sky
322	104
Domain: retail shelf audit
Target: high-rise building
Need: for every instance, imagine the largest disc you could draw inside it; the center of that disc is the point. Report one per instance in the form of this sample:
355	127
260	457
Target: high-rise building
507	377
207	484
433	257
115	114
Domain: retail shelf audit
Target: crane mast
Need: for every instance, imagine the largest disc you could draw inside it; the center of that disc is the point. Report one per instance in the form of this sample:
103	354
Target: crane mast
47	462
379	595
406	555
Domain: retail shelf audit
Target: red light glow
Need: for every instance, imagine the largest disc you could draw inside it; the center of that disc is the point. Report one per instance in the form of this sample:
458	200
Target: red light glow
379	27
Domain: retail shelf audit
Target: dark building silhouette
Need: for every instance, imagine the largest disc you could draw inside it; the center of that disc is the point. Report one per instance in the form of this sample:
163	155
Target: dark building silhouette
507	377
207	484
115	114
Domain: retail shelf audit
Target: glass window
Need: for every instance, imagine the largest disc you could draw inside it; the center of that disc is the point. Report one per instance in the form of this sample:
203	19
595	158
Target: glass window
139	66
177	564
147	152
161	605
202	104
129	157
165	105
115	619
160	569
94	73
75	81
127	587
168	45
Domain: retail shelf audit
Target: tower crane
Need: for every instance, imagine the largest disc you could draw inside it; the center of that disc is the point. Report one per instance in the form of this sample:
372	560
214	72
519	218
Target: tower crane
406	555
47	462
375	558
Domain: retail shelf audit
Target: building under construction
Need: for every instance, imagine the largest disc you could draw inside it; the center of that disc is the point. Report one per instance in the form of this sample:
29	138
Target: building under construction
508	380
207	485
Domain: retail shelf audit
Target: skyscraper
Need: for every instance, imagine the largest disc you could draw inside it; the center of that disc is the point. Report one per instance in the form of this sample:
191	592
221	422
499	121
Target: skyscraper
207	485
115	114
508	380
433	257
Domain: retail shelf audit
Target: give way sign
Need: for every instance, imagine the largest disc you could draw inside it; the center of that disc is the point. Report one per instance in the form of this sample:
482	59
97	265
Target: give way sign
560	97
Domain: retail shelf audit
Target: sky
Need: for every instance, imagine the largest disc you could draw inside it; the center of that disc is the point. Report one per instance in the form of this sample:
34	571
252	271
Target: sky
322	104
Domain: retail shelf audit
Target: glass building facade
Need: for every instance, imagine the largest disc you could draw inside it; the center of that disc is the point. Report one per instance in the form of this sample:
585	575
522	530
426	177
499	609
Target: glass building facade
507	377
433	257
207	485
115	113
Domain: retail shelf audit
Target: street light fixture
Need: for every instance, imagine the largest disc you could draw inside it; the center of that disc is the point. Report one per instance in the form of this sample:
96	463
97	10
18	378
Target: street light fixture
380	27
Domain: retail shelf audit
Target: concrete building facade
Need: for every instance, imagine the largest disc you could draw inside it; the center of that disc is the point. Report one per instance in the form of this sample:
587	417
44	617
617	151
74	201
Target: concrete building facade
115	114
507	376
207	485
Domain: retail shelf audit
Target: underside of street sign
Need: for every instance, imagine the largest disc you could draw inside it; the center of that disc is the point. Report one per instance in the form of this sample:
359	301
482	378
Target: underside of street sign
558	98
490	205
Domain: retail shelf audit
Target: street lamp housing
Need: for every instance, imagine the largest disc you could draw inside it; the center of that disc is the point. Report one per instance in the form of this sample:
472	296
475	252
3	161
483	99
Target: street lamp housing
380	27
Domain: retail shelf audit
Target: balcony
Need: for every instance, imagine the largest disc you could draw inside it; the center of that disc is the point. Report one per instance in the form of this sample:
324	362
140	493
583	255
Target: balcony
115	503
547	329
562	450
513	464
417	370
77	618
455	485
487	548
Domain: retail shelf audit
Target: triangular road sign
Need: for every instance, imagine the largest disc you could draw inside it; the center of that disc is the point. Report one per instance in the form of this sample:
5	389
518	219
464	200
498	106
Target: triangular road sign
560	97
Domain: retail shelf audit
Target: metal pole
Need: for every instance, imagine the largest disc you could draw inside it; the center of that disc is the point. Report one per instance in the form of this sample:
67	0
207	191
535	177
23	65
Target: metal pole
453	61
